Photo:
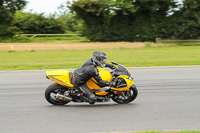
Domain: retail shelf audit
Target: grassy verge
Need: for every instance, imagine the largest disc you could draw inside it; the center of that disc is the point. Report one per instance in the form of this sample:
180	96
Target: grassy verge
166	56
163	132
51	39
59	39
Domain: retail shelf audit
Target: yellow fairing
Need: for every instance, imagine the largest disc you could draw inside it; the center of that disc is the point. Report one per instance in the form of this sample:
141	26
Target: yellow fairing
63	78
128	82
60	77
92	83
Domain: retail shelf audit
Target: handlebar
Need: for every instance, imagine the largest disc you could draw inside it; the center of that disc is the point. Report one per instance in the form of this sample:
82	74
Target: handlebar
114	63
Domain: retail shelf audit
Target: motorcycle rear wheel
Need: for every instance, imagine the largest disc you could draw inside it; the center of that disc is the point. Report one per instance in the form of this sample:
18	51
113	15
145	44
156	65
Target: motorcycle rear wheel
127	96
51	91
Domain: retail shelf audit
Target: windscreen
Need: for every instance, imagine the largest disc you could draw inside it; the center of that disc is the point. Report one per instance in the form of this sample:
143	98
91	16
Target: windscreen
121	70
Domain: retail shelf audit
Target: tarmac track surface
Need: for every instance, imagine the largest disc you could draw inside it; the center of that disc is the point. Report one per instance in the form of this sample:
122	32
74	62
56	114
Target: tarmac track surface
168	99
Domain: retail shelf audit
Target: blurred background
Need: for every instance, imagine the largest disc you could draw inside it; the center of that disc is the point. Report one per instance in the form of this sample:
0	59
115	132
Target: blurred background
119	27
101	20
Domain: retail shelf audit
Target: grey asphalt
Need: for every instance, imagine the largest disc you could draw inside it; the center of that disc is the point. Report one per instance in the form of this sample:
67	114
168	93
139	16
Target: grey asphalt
168	99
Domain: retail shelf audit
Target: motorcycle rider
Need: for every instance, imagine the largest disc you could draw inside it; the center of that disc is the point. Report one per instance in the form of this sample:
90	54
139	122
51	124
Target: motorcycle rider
89	70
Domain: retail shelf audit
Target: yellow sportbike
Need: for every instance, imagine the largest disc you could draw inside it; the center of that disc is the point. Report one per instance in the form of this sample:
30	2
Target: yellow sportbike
122	91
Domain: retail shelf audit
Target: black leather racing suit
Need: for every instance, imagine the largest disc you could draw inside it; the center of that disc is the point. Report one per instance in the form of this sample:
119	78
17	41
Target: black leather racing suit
83	74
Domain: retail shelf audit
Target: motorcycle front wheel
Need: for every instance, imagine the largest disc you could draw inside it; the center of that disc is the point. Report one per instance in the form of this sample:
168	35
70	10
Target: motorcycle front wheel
52	91
126	96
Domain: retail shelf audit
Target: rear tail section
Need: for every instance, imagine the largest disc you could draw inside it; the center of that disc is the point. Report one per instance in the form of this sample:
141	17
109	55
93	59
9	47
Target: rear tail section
61	77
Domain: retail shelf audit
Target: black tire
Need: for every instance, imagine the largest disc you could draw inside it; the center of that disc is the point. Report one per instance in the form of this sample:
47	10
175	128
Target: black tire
133	92
55	88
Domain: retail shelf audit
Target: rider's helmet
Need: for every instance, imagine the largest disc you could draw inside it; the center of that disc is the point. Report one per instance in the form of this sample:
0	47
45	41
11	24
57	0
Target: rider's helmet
99	58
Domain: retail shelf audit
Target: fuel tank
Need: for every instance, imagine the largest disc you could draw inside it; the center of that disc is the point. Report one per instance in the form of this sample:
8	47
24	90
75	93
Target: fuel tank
92	83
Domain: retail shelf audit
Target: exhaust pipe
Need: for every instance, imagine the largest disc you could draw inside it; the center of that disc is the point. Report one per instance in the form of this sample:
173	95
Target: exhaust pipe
64	98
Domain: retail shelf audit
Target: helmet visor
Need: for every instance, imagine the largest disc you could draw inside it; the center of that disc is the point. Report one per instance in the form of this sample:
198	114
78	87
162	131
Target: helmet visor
103	62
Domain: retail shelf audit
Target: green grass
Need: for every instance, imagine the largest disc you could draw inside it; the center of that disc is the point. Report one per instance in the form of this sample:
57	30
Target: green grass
59	39
15	39
51	39
144	57
164	132
189	132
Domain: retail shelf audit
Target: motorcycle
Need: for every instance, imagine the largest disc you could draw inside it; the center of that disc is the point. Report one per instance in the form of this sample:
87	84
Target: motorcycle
62	92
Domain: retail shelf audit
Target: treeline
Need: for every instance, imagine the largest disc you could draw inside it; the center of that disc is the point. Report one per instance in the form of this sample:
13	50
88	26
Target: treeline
13	21
108	20
7	12
138	20
32	23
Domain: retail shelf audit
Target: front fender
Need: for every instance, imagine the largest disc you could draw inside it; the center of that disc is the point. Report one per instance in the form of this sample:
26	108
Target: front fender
133	86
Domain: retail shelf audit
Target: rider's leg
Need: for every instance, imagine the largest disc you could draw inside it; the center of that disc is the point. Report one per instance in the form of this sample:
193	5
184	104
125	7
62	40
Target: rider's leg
88	93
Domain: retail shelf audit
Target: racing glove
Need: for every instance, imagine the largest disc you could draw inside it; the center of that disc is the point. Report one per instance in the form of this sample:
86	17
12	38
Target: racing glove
112	84
111	66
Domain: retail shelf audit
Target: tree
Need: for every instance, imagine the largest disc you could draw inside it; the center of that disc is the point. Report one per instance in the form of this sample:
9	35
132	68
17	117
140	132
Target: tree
72	24
122	20
31	23
7	10
184	23
150	15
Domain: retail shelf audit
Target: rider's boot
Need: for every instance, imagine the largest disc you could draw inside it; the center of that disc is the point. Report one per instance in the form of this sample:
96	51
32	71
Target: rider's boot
92	99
